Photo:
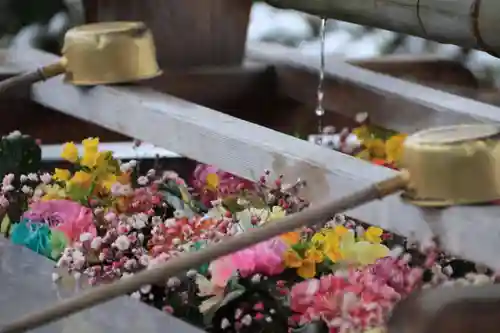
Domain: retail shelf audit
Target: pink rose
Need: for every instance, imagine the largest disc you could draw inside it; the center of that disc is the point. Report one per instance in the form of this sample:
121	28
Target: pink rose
67	216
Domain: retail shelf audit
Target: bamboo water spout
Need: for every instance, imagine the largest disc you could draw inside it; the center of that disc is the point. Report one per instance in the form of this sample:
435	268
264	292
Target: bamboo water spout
467	23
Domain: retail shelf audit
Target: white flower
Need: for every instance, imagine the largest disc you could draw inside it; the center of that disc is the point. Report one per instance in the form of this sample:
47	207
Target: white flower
96	243
8	188
144	260
46	178
142	180
156	220
126	167
33	177
8	179
14	135
26	189
23	178
122	243
86	236
139	221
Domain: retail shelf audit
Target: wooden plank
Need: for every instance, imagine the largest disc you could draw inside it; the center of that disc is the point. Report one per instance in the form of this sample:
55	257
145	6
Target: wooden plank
247	149
27	286
391	102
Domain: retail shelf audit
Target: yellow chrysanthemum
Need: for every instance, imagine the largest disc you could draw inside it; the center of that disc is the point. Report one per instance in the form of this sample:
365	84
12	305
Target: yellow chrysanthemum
394	148
70	152
61	175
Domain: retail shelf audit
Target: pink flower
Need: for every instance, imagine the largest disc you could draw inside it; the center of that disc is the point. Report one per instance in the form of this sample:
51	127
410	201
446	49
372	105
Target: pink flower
228	183
67	216
222	270
264	258
268	257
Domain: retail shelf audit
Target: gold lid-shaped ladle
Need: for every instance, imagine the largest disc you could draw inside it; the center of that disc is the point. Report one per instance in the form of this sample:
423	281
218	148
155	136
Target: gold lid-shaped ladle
100	53
436	155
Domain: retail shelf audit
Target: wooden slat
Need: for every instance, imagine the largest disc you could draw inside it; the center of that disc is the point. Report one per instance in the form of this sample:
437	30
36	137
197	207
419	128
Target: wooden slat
27	286
393	103
247	149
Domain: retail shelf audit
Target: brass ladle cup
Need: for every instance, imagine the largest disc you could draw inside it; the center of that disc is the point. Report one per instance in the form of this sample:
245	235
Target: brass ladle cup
471	137
100	53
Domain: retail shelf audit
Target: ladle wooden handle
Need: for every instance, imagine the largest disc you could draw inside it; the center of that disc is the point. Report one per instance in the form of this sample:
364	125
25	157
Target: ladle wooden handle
40	74
172	267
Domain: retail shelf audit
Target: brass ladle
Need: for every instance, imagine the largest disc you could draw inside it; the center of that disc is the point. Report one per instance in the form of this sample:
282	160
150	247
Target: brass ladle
100	53
473	145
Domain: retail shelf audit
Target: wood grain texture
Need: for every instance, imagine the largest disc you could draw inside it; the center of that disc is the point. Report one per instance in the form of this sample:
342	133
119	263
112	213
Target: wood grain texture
467	23
187	32
247	149
391	102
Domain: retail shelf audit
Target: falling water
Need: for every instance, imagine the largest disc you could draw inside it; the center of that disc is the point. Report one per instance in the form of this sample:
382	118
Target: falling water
320	110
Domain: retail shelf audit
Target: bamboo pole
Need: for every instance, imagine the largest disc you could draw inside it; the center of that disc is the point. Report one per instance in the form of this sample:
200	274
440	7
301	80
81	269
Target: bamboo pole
467	23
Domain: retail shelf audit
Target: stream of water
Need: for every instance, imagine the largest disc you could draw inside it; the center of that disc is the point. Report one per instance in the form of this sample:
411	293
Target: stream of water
320	110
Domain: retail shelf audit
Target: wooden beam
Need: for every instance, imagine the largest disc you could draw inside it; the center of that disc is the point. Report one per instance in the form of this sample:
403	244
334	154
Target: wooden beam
391	102
247	149
27	286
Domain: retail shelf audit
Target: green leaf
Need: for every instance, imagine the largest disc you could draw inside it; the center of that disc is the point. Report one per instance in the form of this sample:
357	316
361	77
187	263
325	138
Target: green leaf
77	193
231	204
58	242
5	226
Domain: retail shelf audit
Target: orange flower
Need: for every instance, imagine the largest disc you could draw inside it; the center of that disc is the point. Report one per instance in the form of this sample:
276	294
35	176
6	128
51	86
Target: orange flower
291	238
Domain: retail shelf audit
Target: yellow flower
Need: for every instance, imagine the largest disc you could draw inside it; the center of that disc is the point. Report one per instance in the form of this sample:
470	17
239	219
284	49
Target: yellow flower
376	147
291	238
306	267
394	147
89	158
61	174
362	133
90	152
314	254
360	253
373	235
108	182
276	213
329	234
91	144
52	192
212	181
70	152
81	178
